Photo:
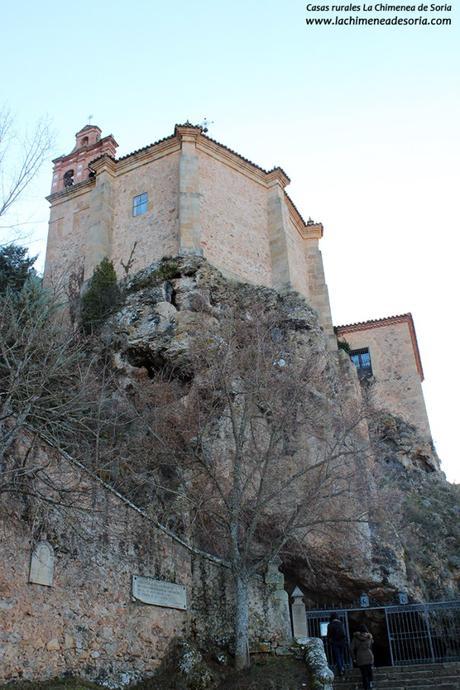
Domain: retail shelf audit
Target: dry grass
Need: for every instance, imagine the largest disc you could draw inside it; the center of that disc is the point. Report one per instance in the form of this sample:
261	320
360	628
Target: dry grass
271	674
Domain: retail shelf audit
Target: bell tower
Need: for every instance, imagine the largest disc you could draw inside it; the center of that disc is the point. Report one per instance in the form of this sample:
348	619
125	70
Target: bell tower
72	168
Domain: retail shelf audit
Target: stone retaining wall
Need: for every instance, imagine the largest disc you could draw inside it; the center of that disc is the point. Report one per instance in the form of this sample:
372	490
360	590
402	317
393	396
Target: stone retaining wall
87	622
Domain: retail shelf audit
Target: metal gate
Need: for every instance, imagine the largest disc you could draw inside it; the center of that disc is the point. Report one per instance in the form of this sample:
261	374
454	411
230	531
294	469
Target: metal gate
317	622
417	633
424	633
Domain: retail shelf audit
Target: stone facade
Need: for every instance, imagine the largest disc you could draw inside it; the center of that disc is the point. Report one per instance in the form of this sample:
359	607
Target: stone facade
397	374
203	199
86	621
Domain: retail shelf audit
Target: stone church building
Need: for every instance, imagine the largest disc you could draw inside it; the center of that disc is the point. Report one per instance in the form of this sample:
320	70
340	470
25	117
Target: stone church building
189	194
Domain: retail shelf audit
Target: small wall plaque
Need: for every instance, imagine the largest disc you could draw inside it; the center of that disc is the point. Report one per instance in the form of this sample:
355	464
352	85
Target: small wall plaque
159	593
42	564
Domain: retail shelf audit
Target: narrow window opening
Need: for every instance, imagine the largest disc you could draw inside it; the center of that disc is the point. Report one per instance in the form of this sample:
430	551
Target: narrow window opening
362	361
140	204
68	178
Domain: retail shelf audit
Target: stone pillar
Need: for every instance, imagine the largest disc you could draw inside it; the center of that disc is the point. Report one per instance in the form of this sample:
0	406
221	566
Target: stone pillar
280	599
317	287
99	237
189	193
299	616
278	220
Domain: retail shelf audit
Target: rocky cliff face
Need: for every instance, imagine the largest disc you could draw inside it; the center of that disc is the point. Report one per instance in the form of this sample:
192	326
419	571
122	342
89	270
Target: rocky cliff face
420	533
173	302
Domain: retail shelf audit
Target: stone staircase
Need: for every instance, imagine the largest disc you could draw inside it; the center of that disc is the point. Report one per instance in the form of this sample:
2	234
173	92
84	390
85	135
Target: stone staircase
420	677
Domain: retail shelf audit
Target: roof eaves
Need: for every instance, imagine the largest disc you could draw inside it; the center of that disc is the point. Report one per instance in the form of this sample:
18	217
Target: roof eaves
370	323
295	208
145	148
214	141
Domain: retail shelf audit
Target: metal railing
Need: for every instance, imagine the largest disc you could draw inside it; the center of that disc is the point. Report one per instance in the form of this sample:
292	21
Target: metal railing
416	633
424	633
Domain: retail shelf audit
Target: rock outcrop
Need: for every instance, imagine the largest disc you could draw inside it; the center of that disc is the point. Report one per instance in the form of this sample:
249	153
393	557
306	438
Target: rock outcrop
173	301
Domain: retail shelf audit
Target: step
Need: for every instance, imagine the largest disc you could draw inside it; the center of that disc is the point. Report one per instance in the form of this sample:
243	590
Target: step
441	676
400	681
416	679
414	668
408	686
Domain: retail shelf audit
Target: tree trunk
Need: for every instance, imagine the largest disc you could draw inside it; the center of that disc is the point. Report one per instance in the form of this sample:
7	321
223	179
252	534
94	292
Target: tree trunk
241	622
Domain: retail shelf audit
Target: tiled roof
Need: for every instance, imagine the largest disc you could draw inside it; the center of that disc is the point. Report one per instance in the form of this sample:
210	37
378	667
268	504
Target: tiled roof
387	321
86	127
246	160
188	124
144	148
375	323
295	208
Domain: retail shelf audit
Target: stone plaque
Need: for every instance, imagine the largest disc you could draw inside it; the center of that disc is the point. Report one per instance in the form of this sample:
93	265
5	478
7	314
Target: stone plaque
42	564
159	593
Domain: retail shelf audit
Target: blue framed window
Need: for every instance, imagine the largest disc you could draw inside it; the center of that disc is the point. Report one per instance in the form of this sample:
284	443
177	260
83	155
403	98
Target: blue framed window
362	361
140	204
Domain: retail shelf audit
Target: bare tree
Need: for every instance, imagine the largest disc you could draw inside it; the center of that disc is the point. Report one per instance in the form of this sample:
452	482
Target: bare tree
257	447
50	383
20	158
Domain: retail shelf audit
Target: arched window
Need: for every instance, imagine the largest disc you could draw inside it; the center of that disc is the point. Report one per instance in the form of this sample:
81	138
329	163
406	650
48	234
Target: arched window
68	178
84	141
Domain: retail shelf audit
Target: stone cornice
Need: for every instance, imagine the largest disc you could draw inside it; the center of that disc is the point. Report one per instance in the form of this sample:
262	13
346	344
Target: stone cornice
308	231
151	153
104	163
71	192
312	231
187	132
381	323
231	160
277	175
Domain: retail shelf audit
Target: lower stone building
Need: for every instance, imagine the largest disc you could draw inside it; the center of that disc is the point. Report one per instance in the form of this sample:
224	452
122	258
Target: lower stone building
386	355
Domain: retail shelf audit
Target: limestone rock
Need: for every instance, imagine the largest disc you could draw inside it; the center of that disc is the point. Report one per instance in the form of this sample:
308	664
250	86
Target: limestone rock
53	645
320	674
189	662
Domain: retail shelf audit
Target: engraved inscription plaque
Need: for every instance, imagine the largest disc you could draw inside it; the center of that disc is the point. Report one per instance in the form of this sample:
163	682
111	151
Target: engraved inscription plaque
42	564
159	593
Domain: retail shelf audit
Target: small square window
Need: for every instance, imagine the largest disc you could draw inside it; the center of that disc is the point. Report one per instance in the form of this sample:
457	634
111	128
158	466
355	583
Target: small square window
362	361
140	204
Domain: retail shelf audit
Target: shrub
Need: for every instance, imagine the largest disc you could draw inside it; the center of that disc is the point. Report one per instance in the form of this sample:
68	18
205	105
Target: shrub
101	297
343	345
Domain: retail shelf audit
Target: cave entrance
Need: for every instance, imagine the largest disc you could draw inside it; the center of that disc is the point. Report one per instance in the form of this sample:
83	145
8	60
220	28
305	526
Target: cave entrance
375	621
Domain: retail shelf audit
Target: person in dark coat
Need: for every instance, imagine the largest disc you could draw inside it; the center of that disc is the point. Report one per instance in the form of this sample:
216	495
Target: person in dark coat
338	639
361	651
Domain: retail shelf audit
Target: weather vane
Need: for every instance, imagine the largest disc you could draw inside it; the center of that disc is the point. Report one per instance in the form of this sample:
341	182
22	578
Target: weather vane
205	124
90	117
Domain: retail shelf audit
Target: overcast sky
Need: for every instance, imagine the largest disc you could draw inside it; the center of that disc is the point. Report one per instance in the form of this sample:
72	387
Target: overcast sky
365	121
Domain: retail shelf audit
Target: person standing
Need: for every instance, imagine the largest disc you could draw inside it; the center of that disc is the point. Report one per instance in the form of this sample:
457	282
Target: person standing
361	651
337	638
